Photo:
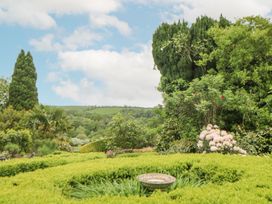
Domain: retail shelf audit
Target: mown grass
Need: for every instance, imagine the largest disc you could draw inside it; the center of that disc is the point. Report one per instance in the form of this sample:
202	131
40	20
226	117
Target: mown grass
49	185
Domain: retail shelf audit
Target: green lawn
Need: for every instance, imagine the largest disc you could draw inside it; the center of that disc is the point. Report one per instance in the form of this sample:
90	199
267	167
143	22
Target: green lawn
219	178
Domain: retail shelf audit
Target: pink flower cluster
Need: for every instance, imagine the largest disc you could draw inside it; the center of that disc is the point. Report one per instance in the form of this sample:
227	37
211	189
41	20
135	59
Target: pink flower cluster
215	140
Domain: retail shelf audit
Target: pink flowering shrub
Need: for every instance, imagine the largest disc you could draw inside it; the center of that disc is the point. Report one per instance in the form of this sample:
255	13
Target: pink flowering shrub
212	139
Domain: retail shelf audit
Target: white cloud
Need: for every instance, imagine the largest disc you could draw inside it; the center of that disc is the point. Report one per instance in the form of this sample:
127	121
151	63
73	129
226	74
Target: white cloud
231	9
110	21
81	38
190	9
45	43
111	78
67	89
39	14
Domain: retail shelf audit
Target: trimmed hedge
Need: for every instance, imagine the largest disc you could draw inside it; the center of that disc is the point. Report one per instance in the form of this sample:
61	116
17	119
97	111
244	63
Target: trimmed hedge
11	168
232	179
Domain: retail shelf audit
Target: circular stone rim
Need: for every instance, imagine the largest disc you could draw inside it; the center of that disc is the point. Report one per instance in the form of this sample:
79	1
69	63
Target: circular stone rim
167	180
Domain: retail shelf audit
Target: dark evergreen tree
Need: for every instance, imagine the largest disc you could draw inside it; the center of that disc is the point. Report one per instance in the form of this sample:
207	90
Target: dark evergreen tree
23	91
168	62
178	47
223	22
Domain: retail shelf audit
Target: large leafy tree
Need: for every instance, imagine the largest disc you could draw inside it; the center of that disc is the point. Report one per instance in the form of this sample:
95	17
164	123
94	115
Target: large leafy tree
243	54
23	91
231	81
126	132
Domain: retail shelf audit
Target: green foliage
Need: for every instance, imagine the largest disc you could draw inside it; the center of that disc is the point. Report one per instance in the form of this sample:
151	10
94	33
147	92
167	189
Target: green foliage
243	56
19	141
40	122
4	95
126	133
231	83
12	148
47	147
165	56
177	49
22	90
256	142
183	146
187	111
11	119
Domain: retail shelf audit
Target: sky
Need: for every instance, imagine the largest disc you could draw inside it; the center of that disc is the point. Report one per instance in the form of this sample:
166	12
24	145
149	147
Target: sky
98	52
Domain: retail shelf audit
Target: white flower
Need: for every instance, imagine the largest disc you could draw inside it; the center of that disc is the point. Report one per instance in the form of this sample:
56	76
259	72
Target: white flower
217	131
211	143
203	134
225	143
209	127
208	137
200	144
226	138
242	151
213	148
217	139
223	132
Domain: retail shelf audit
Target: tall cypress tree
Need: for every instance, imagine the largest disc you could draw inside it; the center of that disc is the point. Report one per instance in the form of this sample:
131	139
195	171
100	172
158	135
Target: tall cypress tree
23	93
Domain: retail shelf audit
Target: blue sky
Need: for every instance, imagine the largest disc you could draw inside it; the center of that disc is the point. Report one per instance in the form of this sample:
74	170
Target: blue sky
98	52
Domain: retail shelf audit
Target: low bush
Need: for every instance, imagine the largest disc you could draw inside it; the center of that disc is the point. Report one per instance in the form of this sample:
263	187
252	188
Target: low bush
47	147
256	142
183	146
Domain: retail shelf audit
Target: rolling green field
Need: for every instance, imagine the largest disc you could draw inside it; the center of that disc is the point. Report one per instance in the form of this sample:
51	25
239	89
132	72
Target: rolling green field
93	178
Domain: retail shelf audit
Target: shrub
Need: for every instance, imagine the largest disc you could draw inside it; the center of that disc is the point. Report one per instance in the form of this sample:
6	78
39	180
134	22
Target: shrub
212	139
126	133
12	148
258	142
183	146
22	138
46	148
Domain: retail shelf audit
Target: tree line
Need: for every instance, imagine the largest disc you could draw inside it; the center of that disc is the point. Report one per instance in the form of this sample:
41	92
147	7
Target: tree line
216	72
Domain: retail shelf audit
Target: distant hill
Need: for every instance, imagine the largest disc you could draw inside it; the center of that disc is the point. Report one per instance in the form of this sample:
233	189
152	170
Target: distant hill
101	110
